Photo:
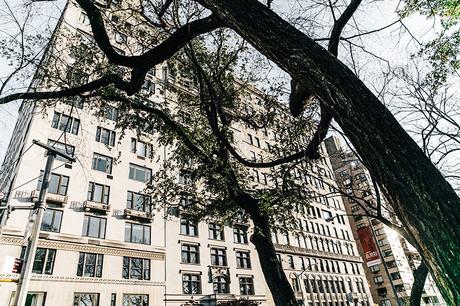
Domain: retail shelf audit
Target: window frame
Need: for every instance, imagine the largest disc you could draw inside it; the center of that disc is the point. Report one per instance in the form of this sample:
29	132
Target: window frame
82	266
86	221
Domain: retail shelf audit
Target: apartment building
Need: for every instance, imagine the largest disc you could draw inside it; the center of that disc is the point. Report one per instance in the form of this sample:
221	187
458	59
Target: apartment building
103	241
389	259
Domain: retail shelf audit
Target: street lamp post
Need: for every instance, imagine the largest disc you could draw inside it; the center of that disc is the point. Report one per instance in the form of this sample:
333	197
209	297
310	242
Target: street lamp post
36	220
298	279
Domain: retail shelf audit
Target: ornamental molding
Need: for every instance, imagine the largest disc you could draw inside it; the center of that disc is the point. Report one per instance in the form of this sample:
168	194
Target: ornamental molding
86	248
76	279
323	254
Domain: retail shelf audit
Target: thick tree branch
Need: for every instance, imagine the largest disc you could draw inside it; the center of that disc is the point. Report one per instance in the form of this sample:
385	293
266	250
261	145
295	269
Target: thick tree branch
420	275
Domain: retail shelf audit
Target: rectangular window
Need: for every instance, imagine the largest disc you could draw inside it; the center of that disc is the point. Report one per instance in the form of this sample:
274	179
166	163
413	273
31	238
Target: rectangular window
94	227
98	193
378	280
102	163
220	284
374	269
90	265
135	300
86	299
65	123
138	201
137	233
110	112
58	184
216	231
139	173
136	268
190	254
243	260
191	283
240	234
105	136
113	299
218	257
61	147
188	227
141	148
246	286
290	261
44	261
52	220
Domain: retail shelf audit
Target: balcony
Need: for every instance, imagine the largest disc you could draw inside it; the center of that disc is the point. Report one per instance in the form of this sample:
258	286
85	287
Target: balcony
96	206
138	215
52	198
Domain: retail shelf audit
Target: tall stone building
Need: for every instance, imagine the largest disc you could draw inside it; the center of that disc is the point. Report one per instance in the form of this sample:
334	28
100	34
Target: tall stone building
391	277
101	241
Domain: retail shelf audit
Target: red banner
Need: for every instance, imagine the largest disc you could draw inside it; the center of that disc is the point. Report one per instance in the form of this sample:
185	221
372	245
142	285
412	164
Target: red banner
371	253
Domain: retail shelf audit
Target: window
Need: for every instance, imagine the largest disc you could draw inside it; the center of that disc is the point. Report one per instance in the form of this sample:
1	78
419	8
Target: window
246	286
52	220
135	300
190	254
290	261
216	231
137	233
105	136
110	112
240	234
120	38
98	193
220	284
84	19
378	280
141	148
113	299
395	276
139	173
218	257
243	260
86	299
191	283
138	201
188	227
136	268
90	265
102	163
385	302
387	253
374	269
44	261
185	178
94	227
58	184
61	147
65	123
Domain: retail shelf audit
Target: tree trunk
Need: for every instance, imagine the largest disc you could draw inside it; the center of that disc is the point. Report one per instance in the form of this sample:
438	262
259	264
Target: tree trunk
276	279
425	203
420	275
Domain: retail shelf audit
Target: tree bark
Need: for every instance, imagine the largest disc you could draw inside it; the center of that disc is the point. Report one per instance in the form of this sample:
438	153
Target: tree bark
276	279
425	203
420	275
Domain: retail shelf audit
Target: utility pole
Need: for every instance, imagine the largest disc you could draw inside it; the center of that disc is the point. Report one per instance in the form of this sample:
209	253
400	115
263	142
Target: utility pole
36	220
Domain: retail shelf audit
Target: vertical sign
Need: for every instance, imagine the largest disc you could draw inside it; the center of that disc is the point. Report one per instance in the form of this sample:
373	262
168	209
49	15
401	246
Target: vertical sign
371	253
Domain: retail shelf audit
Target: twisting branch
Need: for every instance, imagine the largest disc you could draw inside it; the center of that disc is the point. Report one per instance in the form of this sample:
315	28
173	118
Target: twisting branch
157	54
110	79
